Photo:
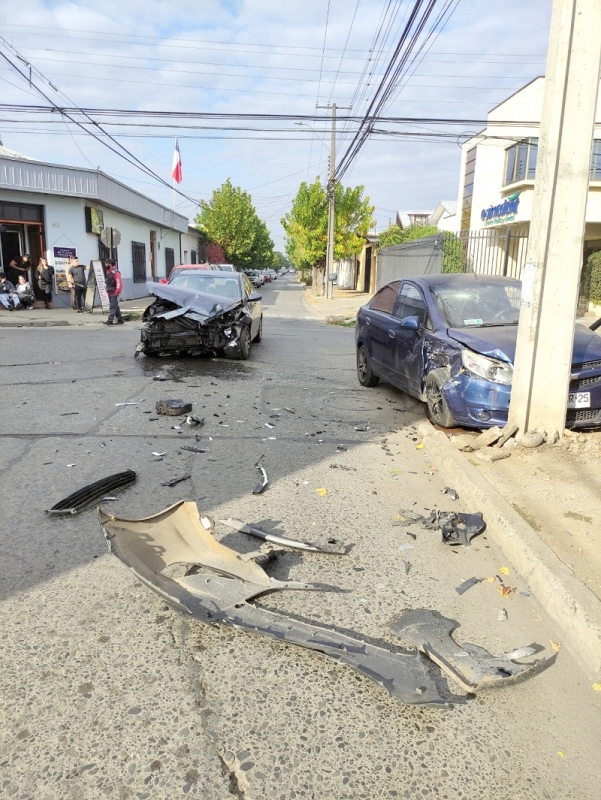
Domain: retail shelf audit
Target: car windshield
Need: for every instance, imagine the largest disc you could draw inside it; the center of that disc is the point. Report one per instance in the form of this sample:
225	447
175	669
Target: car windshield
478	304
210	283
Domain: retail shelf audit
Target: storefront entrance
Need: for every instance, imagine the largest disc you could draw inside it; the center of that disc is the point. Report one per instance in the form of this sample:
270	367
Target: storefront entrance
21	231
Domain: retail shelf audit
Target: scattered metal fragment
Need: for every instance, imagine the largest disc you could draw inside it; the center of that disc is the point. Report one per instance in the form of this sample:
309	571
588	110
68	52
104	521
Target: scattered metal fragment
407	565
160	378
343	467
463	587
87	495
191	449
502	615
219	585
289	410
69	413
175	481
126	404
176	427
472	667
362	428
451	492
173	408
328	545
341	448
456	528
265	480
269	425
156	453
195	422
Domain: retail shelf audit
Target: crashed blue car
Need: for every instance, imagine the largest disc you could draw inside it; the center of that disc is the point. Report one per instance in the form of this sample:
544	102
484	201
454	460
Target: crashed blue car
449	340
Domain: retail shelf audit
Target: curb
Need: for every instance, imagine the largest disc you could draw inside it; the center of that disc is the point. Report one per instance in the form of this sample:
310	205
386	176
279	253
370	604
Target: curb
37	324
571	605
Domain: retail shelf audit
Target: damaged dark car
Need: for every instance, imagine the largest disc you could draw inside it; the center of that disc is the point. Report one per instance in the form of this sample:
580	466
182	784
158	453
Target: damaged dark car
202	312
449	340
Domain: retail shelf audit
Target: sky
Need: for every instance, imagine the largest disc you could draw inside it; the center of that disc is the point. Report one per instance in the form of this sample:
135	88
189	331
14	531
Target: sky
264	57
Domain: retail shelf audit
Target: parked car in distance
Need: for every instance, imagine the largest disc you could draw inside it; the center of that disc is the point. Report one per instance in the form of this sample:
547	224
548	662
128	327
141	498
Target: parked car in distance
225	267
266	275
180	267
449	340
255	277
202	311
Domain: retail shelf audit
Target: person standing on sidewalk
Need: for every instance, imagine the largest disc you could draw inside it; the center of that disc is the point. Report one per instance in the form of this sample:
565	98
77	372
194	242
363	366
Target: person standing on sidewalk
77	273
114	286
44	275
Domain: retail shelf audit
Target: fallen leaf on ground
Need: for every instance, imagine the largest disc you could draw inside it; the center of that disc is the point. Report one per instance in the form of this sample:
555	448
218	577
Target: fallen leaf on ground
419	446
490	579
560	753
556	646
504	570
321	492
395	471
596	687
505	591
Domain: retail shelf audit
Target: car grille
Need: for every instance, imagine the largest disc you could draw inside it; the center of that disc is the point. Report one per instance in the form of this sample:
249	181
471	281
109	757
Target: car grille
578	385
590	415
586	366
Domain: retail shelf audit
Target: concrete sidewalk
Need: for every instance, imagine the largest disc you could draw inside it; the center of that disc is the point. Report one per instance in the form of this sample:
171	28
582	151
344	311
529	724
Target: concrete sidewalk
53	317
344	304
542	508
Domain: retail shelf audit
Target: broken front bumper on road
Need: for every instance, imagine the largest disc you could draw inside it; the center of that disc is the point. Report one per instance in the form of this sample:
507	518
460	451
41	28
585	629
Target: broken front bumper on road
175	554
185	322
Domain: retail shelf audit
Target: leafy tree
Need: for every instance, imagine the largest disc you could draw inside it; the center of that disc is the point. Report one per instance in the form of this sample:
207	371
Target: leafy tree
306	226
590	281
279	260
395	235
229	220
215	254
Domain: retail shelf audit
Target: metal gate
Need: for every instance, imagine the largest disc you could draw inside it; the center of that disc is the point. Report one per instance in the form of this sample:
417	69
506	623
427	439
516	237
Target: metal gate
419	257
138	257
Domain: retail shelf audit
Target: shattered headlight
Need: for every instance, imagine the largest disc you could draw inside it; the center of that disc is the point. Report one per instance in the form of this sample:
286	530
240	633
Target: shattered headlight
491	369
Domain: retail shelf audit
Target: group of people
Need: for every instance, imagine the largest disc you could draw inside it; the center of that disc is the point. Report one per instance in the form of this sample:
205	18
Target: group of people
17	293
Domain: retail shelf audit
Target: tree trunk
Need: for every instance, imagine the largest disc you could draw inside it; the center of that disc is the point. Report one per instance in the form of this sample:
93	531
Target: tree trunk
317	281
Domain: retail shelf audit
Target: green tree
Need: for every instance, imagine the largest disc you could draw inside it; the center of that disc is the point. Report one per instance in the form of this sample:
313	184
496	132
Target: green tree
306	227
279	260
229	219
452	248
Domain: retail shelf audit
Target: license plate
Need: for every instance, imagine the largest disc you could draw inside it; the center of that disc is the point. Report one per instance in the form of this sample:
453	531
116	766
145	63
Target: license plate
579	400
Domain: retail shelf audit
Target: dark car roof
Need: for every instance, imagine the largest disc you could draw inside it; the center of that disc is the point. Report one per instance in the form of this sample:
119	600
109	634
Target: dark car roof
459	278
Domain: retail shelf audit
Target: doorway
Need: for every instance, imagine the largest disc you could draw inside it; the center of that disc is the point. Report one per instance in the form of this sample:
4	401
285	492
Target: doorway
153	254
12	247
367	272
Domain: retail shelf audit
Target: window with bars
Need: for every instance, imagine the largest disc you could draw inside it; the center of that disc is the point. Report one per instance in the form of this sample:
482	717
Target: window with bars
169	259
138	257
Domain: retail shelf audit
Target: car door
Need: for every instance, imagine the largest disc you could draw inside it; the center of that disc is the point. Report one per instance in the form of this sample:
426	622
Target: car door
378	318
254	306
405	354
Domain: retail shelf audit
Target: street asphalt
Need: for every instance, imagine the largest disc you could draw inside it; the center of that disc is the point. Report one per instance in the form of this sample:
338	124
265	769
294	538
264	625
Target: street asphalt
109	693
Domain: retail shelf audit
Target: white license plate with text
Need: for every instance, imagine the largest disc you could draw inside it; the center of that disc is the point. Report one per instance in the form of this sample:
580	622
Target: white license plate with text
579	400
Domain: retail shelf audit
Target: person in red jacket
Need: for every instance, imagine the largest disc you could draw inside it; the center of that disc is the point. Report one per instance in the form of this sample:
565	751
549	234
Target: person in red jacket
114	286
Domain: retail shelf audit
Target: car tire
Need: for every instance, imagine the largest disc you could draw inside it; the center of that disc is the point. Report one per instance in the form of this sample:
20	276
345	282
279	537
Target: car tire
364	370
259	335
438	410
242	351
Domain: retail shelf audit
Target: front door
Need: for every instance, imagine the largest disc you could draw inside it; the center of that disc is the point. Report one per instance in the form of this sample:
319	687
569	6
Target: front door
406	356
153	253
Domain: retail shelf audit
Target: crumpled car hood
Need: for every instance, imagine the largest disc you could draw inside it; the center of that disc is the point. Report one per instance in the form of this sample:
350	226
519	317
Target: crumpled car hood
499	342
205	305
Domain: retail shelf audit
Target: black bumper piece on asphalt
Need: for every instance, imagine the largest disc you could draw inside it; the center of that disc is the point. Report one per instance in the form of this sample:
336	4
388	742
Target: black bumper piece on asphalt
87	495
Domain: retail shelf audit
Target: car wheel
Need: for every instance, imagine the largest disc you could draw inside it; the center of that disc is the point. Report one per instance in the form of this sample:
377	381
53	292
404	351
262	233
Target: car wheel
364	371
438	410
242	351
259	335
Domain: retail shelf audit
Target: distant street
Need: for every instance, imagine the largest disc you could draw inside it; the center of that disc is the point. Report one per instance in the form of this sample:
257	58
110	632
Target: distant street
109	693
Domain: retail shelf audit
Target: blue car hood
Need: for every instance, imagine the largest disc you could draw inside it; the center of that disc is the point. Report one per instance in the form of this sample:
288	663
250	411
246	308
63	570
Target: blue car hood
499	342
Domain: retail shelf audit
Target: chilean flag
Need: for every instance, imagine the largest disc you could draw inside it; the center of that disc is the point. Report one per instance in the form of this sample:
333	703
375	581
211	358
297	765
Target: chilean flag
176	172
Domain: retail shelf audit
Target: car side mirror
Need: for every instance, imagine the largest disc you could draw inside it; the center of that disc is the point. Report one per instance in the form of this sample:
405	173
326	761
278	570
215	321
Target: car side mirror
255	297
411	323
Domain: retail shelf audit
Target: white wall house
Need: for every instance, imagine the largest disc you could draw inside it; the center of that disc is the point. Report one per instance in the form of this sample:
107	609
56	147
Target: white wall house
53	210
444	216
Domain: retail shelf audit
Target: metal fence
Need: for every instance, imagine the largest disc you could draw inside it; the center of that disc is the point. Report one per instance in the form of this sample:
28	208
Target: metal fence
488	252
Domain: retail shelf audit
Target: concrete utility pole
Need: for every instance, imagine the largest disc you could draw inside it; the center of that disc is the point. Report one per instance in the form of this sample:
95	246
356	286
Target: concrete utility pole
551	278
331	195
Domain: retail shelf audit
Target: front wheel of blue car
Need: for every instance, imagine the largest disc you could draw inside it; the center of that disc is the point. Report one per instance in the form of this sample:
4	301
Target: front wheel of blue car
364	371
438	410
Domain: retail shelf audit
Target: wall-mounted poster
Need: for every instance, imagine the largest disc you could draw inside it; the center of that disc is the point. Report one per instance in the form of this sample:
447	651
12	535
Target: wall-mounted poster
61	265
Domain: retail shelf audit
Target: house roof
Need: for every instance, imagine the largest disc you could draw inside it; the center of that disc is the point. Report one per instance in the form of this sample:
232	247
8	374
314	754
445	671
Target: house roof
24	174
403	218
446	208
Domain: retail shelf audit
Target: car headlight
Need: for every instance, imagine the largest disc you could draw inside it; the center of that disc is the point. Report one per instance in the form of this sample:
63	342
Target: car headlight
491	369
